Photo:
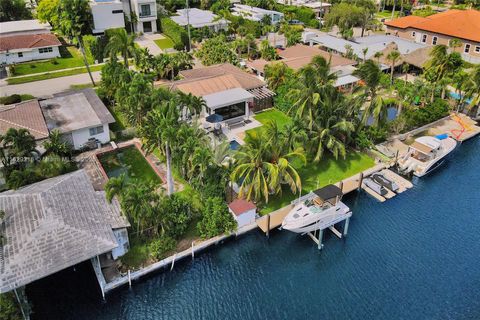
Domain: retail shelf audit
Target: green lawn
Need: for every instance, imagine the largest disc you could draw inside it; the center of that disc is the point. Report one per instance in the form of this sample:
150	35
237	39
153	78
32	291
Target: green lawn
46	76
271	115
120	121
317	175
71	58
385	14
163	44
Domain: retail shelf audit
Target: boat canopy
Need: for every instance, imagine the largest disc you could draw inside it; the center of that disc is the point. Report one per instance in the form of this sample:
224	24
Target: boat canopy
328	192
421	147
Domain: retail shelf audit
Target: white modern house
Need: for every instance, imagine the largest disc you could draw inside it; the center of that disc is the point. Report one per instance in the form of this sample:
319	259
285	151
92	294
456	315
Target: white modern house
199	18
80	116
28	47
256	14
243	211
107	14
22	27
146	12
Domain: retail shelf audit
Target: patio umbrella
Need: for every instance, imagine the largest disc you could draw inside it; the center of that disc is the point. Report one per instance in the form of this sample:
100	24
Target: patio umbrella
214	118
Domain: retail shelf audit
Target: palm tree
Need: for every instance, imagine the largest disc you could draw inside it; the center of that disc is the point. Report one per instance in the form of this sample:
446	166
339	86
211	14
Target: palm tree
276	74
121	42
473	87
201	159
137	202
160	132
161	65
393	57
377	56
116	186
190	104
20	143
405	68
364	52
371	74
74	16
56	144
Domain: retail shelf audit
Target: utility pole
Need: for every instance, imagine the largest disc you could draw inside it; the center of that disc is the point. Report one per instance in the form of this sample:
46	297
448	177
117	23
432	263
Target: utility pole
188	26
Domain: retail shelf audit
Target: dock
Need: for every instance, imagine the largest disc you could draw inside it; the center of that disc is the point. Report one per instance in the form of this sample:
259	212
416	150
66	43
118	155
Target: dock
403	185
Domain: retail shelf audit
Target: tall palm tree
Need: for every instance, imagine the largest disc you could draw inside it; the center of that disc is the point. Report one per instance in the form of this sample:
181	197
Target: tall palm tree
121	42
393	57
472	87
371	75
137	202
20	143
160	132
57	145
276	74
190	104
377	56
116	187
201	160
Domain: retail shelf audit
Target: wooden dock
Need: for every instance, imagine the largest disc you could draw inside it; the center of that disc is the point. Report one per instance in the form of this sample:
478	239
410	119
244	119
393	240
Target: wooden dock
403	185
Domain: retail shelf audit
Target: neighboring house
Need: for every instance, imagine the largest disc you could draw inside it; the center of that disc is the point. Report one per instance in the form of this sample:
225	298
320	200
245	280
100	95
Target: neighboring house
243	211
22	27
107	15
256	14
145	12
55	224
28	47
24	115
319	7
298	56
441	28
80	116
199	19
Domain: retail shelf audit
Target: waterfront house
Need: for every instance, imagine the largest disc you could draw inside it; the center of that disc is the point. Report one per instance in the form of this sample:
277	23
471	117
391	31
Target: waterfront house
243	211
55	224
80	116
256	14
107	15
199	19
441	28
27	40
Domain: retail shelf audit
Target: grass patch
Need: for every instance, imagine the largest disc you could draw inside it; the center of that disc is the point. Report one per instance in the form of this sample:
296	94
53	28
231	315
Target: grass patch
385	14
317	175
83	86
47	76
271	115
163	44
131	162
70	58
120	121
137	255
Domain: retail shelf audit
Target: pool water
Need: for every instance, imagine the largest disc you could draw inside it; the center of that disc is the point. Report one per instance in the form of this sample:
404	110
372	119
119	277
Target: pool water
128	161
416	256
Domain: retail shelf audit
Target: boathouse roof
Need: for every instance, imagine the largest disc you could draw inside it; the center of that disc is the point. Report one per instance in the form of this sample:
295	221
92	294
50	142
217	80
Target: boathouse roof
52	225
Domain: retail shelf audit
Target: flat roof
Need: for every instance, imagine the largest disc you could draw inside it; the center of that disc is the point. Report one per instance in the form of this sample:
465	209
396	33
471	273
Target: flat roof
75	110
22	26
344	80
226	98
52	225
197	18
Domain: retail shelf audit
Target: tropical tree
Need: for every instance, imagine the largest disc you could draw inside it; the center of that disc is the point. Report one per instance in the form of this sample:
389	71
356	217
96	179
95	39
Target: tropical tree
57	145
136	98
276	74
472	87
19	144
120	42
371	75
267	52
216	50
190	104
137	203
116	187
74	18
11	10
200	162
160	132
393	57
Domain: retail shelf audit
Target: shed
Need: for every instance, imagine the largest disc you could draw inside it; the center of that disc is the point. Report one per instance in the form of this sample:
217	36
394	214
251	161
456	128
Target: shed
243	211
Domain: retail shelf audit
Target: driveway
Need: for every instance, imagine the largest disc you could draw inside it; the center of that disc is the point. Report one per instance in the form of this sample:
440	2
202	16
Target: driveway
46	88
147	41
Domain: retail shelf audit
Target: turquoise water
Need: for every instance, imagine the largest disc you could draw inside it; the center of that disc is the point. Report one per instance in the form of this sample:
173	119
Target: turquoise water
416	256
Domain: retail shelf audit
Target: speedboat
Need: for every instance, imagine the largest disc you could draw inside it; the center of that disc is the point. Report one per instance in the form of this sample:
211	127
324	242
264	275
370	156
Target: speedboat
380	179
319	209
426	154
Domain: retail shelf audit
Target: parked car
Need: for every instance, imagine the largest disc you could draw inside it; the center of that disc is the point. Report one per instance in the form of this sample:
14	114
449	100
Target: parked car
296	22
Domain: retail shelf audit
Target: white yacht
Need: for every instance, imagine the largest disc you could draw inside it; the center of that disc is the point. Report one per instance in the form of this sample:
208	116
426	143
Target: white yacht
319	209
426	154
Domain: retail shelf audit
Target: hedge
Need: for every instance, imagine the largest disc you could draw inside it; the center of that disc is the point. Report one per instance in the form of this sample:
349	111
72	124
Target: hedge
175	32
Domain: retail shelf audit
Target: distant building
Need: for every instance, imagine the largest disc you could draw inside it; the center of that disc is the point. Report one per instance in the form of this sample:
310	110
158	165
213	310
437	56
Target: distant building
319	7
243	211
441	28
55	224
199	19
107	14
256	14
28	47
146	12
80	116
22	27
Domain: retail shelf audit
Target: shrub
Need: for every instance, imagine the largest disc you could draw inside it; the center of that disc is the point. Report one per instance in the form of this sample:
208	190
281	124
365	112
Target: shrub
8	307
177	212
216	218
14	98
158	248
417	117
175	32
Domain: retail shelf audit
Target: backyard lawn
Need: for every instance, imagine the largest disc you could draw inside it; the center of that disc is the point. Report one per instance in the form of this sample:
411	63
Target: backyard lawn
317	175
165	43
71	58
271	115
52	75
385	14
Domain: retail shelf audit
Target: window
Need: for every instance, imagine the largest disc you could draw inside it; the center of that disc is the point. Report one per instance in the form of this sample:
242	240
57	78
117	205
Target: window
477	49
145	10
117	11
424	38
45	50
96	130
467	48
434	40
20	54
413	34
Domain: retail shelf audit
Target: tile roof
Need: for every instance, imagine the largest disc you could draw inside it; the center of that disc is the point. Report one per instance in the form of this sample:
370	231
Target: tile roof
463	24
28	41
239	206
206	86
24	115
52	225
246	80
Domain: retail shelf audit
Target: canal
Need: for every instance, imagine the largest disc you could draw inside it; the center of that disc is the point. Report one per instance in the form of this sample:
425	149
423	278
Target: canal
416	256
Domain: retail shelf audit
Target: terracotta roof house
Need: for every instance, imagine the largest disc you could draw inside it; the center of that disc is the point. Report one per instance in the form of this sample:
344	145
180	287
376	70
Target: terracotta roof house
440	28
243	211
55	224
25	115
28	47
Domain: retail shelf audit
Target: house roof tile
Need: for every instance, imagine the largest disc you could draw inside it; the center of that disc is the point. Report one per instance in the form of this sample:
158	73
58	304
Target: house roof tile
24	115
28	41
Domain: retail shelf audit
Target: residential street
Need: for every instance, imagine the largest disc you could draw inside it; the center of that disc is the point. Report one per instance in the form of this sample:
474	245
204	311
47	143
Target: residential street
47	88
